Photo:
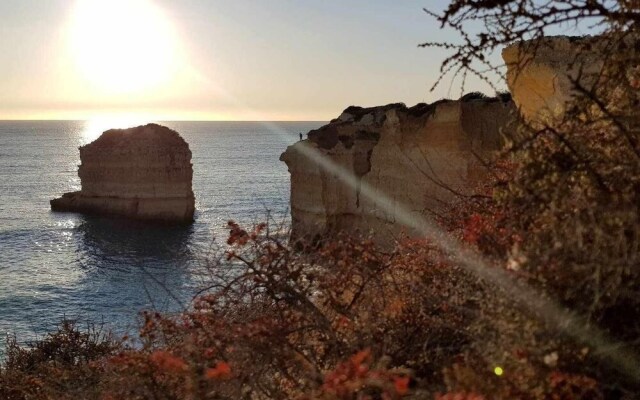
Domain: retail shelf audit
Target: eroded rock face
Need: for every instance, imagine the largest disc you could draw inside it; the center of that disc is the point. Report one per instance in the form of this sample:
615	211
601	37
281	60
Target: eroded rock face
418	157
141	173
541	73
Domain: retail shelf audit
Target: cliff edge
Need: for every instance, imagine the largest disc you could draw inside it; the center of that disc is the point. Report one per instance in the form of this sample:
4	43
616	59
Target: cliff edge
140	173
420	158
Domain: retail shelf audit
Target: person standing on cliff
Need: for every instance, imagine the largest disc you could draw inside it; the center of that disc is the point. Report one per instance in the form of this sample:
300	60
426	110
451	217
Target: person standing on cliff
300	136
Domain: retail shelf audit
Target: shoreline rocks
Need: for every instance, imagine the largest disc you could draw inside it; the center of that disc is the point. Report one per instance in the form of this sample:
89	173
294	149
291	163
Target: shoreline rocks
142	173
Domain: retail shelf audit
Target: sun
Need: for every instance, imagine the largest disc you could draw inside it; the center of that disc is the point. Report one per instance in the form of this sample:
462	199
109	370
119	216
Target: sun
122	46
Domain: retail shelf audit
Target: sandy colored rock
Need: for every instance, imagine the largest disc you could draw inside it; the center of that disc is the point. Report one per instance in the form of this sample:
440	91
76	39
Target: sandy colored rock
140	173
418	157
541	73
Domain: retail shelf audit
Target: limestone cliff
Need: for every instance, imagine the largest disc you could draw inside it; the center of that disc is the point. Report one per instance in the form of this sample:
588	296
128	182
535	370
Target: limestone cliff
419	157
141	173
541	73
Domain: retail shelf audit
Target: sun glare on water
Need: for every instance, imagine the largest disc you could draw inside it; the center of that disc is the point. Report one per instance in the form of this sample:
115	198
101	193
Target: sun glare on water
122	46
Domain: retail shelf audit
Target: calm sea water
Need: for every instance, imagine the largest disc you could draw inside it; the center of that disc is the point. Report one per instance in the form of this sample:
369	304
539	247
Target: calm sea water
57	265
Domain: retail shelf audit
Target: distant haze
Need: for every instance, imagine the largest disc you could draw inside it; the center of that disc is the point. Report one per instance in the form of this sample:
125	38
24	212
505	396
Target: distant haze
215	59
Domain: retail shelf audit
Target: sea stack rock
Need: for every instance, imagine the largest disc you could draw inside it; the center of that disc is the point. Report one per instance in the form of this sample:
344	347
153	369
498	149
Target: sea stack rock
420	158
140	173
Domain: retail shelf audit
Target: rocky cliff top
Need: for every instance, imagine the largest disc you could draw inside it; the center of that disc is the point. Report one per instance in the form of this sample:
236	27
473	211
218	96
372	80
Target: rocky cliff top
356	114
371	119
144	136
553	49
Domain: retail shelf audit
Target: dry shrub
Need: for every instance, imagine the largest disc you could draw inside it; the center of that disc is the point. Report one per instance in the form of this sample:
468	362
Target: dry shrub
290	324
66	364
344	321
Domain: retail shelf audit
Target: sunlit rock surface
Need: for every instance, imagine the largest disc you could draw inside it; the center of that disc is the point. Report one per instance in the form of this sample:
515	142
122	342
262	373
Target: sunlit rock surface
140	173
417	157
541	73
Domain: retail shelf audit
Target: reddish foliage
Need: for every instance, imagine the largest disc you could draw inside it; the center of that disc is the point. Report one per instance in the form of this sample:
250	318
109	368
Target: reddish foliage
222	370
358	376
167	362
401	384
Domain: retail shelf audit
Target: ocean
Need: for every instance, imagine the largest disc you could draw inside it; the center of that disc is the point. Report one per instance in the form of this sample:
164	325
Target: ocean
106	271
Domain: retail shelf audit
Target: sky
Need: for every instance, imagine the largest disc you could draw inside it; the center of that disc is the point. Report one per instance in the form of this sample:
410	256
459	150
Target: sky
215	59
